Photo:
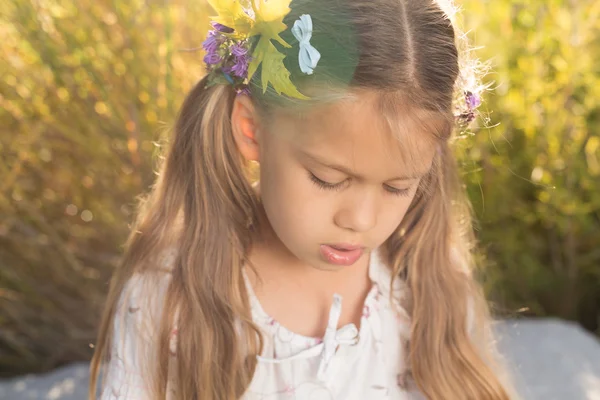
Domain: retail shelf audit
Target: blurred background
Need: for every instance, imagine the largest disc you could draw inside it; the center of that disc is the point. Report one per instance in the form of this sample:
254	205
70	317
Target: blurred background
88	90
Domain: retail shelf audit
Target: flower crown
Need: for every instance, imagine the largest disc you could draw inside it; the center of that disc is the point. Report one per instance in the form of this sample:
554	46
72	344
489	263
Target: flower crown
242	40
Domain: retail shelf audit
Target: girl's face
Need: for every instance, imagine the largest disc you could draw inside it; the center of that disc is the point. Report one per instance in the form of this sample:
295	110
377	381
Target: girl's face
338	176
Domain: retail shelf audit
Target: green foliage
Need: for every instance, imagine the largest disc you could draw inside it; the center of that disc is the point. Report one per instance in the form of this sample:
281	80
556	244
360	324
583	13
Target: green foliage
535	173
86	87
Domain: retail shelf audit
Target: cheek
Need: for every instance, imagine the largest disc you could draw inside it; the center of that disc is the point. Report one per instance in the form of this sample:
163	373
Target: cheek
391	215
292	202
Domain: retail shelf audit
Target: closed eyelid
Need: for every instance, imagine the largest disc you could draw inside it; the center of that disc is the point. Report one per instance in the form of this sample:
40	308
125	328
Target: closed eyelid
340	184
329	181
408	181
401	187
317	162
331	175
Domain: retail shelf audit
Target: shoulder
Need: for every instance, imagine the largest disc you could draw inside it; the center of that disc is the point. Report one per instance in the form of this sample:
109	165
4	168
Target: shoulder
135	335
149	287
140	305
139	310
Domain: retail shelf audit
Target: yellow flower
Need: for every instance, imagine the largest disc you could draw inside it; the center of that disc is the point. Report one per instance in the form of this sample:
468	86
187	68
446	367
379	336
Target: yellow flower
267	23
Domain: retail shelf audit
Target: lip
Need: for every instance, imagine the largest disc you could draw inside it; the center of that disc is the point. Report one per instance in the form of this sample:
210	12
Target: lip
344	246
341	254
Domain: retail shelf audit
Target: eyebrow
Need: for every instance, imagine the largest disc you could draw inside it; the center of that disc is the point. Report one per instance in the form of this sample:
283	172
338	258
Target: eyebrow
348	171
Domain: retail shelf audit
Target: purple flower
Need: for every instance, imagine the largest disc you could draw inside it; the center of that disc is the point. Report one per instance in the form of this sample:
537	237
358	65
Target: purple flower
473	100
240	68
212	58
240	58
238	50
221	28
213	41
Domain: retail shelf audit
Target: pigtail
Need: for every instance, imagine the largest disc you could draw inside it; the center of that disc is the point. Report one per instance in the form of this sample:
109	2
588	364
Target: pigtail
202	206
431	250
218	206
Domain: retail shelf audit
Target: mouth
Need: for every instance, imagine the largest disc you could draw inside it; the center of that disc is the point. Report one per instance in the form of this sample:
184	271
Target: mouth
341	253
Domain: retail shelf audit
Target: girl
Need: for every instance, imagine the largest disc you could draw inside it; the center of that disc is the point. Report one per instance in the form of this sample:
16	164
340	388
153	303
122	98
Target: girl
340	271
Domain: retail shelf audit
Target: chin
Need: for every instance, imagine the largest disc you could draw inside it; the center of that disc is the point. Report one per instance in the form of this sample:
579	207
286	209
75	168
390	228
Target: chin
325	266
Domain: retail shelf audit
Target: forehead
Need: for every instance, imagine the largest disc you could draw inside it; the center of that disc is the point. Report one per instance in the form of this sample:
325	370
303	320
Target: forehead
362	135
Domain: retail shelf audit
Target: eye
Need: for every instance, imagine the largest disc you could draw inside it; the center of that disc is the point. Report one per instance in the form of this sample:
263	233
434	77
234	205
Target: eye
325	185
398	192
338	186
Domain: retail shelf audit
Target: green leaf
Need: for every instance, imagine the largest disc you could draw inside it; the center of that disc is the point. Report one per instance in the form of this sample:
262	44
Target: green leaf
232	15
268	21
269	24
274	71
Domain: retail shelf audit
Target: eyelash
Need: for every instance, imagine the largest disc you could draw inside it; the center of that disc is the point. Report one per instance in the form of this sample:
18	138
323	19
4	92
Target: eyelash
338	186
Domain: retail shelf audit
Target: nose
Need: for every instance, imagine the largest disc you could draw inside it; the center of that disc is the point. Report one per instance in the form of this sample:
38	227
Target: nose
358	213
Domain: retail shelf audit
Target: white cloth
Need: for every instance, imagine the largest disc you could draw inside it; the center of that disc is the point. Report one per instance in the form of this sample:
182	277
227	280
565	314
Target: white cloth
347	363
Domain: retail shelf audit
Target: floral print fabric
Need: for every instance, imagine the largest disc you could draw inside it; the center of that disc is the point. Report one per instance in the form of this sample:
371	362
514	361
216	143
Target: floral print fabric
349	362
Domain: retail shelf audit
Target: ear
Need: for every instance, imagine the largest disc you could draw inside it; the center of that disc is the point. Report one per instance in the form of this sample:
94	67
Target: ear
245	127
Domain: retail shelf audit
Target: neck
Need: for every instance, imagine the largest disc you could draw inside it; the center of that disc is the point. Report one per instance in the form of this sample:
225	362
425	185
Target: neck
274	262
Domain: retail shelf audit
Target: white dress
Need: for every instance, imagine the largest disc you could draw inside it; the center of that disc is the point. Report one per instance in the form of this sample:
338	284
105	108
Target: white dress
347	363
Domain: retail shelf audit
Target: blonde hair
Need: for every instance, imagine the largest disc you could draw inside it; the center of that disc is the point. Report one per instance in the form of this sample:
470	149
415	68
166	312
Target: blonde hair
204	206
